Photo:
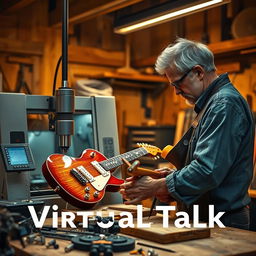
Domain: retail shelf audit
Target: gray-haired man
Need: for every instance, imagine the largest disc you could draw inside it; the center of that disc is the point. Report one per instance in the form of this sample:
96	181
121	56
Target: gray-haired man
219	162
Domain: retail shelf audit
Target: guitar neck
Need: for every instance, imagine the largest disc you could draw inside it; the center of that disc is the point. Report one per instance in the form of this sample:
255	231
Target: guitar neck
116	161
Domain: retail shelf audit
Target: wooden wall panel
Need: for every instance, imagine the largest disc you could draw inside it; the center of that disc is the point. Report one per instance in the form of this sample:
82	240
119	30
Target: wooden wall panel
194	26
98	32
8	26
246	83
214	25
10	71
129	111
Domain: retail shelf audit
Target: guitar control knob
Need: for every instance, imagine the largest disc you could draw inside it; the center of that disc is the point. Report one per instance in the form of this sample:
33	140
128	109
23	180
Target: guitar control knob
96	194
86	196
92	154
87	189
57	189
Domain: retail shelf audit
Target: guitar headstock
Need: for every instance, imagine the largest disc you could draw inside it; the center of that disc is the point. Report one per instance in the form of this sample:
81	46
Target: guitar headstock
152	150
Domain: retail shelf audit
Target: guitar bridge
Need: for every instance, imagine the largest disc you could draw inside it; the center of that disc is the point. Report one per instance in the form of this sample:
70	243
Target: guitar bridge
78	176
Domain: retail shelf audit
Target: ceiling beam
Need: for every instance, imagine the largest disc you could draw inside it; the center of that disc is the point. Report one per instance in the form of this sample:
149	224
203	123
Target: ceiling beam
80	11
11	6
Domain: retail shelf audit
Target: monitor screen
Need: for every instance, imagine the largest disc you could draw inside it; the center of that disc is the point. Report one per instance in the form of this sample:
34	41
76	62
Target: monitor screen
17	155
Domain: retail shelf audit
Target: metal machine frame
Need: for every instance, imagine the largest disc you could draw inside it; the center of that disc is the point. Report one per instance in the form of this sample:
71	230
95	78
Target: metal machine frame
14	108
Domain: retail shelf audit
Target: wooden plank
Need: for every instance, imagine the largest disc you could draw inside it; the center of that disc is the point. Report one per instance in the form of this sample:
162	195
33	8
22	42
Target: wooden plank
18	59
89	55
149	61
84	10
135	77
243	52
232	67
219	48
233	45
179	126
157	233
12	6
131	84
130	208
36	75
21	47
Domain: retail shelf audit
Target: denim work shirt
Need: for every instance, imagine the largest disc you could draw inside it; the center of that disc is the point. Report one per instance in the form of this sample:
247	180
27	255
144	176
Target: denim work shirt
221	155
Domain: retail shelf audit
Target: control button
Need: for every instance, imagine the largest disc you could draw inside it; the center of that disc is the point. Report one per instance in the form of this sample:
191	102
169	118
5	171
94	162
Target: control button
87	189
96	194
86	196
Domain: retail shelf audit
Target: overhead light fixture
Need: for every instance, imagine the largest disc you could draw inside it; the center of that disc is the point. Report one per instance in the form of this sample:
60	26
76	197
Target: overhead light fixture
163	13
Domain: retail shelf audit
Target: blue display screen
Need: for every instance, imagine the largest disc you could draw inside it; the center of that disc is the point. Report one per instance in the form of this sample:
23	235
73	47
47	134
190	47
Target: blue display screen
17	155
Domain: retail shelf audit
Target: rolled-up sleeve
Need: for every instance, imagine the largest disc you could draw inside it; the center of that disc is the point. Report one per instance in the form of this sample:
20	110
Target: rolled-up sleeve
220	134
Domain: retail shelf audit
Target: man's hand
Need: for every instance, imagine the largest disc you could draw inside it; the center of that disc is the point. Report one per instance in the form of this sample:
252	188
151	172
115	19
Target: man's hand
165	171
137	189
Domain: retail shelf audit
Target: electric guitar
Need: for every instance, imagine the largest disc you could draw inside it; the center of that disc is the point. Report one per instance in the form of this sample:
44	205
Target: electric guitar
82	181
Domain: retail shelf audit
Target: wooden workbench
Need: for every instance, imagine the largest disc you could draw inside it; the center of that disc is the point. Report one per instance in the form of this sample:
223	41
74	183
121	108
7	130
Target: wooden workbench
227	241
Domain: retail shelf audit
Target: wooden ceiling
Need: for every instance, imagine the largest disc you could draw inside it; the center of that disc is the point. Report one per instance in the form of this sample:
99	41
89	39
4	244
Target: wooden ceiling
79	10
12	6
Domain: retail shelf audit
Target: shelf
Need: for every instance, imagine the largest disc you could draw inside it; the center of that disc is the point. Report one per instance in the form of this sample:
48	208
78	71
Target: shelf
233	45
134	77
245	45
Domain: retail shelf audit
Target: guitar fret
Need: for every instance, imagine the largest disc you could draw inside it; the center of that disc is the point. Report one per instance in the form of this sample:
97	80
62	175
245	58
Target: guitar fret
117	160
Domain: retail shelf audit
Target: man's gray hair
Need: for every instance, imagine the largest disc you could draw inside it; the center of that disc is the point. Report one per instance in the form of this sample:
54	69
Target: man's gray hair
183	55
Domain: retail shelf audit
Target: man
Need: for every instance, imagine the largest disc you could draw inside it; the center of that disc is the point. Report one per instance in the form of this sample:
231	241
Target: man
219	161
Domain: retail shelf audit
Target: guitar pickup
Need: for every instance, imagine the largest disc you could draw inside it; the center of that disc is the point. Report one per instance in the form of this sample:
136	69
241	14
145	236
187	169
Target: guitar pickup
100	169
78	176
85	173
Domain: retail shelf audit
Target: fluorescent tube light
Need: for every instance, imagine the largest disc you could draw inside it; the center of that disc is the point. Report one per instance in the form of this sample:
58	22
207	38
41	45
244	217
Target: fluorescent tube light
173	12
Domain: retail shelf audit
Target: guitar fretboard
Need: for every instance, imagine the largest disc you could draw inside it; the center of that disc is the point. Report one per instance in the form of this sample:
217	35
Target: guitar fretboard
116	161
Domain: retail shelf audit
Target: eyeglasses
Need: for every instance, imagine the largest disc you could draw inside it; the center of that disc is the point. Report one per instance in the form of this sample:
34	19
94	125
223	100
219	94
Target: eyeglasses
177	83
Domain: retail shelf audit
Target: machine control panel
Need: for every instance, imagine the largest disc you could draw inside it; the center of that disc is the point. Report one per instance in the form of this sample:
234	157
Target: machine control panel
17	157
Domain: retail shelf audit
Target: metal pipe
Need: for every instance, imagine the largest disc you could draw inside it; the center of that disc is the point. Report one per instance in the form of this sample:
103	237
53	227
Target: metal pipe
65	44
65	105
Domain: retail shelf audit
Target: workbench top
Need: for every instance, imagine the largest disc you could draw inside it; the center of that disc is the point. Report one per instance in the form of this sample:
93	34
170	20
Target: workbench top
223	241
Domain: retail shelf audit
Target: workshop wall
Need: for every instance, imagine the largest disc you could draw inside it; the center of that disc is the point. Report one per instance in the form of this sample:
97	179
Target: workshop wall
33	27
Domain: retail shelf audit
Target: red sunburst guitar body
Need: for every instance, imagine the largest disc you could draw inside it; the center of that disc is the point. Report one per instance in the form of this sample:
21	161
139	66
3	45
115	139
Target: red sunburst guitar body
83	181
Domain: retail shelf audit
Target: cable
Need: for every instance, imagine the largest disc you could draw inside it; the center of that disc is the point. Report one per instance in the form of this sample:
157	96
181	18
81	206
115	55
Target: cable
55	75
